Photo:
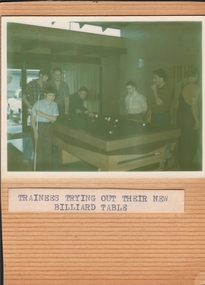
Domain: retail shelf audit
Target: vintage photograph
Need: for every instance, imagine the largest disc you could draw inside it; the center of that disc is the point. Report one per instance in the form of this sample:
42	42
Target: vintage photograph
86	94
102	143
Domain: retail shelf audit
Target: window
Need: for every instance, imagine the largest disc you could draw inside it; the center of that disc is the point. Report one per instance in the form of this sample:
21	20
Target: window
89	28
14	101
68	25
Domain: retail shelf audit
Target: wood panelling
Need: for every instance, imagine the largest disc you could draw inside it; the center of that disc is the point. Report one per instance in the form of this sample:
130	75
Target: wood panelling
103	8
106	249
78	248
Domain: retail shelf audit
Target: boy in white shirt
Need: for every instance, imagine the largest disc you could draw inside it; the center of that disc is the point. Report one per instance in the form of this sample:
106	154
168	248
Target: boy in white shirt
43	114
136	103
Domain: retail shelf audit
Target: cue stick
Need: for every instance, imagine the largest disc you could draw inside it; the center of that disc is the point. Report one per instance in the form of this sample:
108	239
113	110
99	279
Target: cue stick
35	147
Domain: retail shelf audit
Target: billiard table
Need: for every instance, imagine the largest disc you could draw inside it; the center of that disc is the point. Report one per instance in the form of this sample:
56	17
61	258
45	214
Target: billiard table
114	144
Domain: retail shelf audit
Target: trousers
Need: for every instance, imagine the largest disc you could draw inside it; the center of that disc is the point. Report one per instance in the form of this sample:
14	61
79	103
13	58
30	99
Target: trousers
162	118
44	159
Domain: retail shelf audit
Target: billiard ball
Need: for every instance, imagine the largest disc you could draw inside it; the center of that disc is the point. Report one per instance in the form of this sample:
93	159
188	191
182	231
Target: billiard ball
96	115
144	125
106	118
110	132
115	126
116	120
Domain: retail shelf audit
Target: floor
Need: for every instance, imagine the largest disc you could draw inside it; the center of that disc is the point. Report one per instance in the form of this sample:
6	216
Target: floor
16	163
16	145
16	142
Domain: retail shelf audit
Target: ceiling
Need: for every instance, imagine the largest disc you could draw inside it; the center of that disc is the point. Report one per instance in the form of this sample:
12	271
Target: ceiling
52	42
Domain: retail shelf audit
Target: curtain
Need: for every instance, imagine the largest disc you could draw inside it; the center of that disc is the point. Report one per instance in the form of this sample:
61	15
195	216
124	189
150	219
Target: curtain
82	74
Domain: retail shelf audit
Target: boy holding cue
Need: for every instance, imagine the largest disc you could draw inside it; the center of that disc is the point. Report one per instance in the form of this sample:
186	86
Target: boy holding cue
43	114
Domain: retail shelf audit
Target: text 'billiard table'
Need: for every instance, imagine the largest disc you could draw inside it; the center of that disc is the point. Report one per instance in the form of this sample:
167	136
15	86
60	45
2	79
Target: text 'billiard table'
114	144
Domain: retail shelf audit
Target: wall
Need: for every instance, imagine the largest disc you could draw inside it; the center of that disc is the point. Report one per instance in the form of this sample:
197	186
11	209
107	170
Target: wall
160	45
77	75
110	85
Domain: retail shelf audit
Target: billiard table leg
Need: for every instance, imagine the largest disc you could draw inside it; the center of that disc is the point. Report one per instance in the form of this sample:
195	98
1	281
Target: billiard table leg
169	153
66	157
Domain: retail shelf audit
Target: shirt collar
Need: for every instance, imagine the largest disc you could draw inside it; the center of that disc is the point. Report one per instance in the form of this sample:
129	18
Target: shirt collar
46	102
134	94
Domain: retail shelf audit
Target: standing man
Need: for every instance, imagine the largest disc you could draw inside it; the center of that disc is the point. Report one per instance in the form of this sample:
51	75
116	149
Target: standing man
161	96
188	119
62	88
44	113
136	103
34	90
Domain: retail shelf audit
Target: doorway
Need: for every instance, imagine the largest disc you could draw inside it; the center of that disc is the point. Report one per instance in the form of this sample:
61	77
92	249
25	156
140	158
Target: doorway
15	108
14	101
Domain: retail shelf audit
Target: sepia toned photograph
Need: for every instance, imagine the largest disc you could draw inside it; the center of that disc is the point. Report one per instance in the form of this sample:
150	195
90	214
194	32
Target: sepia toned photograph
102	143
87	94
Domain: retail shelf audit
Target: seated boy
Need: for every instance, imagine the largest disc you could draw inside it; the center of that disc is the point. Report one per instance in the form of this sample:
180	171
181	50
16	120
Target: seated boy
44	112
